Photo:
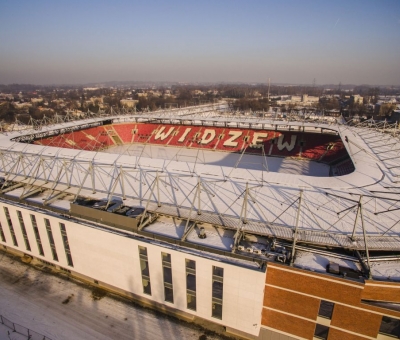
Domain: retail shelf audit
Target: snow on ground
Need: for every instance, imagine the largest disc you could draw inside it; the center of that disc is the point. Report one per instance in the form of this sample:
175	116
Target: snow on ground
63	309
7	334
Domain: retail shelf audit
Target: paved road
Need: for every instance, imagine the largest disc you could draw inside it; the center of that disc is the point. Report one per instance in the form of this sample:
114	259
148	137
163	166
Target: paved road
63	309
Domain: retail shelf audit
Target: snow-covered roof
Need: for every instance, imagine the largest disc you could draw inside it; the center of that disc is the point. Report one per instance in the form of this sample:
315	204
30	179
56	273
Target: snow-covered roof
332	211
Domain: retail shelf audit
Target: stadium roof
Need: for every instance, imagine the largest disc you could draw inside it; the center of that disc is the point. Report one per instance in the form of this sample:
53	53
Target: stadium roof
358	211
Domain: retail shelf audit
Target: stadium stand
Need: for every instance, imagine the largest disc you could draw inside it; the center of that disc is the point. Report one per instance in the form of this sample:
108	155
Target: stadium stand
326	148
142	134
126	132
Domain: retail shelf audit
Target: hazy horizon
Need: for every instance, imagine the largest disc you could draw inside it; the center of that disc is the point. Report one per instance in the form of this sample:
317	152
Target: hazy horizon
291	42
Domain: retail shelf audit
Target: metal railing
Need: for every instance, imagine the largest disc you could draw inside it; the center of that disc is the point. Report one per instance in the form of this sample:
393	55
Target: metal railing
30	335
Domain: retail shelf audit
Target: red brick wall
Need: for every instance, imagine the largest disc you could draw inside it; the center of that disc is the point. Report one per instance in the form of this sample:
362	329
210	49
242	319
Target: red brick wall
291	302
355	320
288	324
384	292
330	290
299	292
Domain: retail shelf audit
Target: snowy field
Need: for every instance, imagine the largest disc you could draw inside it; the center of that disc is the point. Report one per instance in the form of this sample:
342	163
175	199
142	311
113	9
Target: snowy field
219	158
61	309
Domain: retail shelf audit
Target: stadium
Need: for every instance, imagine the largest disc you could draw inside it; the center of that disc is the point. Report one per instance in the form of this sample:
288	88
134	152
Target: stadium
267	227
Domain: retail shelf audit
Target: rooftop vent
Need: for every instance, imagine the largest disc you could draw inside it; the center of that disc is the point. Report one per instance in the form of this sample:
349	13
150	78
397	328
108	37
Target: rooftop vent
202	233
333	268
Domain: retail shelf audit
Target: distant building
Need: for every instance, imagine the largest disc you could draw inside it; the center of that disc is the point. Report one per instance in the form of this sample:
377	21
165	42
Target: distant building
6	96
36	100
395	117
96	100
155	93
22	105
356	99
383	109
58	101
128	102
305	98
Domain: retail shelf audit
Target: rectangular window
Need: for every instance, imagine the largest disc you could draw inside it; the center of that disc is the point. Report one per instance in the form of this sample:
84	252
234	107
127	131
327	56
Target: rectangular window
390	327
325	309
66	244
3	238
191	284
37	235
23	229
321	332
167	274
10	225
144	267
51	239
217	291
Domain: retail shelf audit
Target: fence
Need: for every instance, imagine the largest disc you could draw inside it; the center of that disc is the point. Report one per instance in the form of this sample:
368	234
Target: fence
31	335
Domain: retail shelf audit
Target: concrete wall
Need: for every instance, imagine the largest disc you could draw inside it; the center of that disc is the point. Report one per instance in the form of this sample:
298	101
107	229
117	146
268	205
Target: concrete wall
282	303
112	258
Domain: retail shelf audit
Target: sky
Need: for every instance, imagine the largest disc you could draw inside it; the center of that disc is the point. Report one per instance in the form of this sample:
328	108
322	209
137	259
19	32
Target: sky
289	41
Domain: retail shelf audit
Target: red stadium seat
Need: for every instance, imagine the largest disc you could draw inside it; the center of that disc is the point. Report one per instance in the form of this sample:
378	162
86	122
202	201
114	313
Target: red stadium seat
313	146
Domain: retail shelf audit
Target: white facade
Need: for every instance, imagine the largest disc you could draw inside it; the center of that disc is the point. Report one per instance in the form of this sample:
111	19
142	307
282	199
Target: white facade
112	257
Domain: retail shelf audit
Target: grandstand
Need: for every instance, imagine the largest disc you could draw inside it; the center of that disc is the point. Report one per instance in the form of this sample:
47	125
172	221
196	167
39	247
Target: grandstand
221	207
323	147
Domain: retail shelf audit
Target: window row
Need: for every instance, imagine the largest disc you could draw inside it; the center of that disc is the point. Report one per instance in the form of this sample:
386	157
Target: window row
38	238
190	267
389	326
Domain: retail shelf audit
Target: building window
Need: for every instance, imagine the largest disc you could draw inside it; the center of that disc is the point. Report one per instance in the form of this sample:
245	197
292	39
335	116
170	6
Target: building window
167	274
66	244
10	225
3	238
326	309
51	239
23	229
217	291
144	266
390	327
321	332
191	284
37	235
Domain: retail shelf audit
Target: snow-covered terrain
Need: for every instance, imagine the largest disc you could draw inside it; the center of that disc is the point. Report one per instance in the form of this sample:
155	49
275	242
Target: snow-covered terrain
60	308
